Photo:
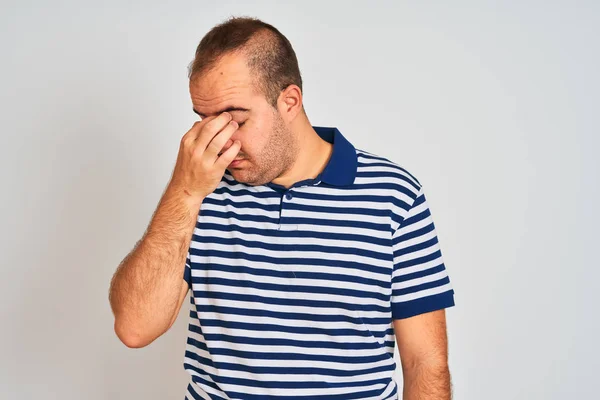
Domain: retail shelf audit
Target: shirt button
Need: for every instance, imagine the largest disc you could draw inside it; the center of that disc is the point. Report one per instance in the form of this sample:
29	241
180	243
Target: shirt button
288	195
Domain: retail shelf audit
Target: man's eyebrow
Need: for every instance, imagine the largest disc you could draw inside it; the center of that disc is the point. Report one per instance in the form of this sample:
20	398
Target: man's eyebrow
228	109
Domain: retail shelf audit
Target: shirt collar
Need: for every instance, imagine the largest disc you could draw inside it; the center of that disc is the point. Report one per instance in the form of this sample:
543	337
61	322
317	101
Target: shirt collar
342	165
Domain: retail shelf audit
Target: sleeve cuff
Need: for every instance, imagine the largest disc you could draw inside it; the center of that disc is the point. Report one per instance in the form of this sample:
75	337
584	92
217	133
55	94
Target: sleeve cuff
423	305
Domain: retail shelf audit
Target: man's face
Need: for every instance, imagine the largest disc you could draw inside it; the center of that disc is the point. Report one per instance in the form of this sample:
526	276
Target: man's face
268	147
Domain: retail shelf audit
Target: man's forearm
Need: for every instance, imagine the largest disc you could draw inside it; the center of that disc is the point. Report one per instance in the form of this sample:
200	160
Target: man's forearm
145	288
427	383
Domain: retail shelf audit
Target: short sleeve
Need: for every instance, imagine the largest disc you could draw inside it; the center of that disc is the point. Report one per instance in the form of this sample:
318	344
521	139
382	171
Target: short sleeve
420	282
187	273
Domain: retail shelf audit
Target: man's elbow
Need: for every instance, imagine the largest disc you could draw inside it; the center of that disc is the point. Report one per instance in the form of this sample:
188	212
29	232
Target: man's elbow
132	337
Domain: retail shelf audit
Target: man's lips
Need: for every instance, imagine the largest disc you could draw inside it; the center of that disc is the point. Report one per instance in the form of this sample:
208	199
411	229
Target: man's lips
237	161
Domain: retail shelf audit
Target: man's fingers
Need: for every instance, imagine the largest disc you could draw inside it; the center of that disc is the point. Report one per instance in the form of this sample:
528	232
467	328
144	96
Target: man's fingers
216	145
190	136
209	129
229	155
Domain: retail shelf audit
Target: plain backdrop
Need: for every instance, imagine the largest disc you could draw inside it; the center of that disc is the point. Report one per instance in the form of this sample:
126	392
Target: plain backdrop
493	106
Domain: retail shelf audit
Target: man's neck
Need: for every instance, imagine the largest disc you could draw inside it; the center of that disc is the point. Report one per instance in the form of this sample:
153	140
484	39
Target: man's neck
313	155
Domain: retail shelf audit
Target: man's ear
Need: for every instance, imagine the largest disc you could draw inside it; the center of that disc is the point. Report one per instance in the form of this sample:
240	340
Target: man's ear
290	103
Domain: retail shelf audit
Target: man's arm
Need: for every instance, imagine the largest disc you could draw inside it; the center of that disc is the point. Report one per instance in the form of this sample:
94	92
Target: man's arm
148	288
423	348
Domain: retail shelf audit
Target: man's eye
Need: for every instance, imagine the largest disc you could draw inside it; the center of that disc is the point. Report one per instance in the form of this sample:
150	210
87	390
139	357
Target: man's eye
241	123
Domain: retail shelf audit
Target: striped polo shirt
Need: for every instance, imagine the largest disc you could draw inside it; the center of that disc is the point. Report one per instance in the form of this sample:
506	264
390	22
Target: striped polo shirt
294	290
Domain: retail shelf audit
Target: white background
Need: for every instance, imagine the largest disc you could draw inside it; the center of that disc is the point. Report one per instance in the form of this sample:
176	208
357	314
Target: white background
493	106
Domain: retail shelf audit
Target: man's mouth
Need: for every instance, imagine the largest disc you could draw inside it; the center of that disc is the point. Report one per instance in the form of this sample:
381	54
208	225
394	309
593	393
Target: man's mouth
237	160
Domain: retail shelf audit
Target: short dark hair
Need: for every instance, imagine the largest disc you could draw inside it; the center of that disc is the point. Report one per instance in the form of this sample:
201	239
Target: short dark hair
269	54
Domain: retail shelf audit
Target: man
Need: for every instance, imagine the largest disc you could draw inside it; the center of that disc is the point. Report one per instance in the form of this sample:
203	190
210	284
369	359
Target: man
306	257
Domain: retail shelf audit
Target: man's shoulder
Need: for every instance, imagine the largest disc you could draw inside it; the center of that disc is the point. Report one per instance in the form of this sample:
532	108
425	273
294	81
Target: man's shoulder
392	179
372	164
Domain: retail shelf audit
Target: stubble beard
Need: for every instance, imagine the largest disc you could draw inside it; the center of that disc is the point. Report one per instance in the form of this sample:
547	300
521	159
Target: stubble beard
276	157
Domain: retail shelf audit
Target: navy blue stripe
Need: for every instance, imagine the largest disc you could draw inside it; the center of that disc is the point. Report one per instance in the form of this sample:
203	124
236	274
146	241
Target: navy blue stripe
286	301
232	311
276	273
297	220
313	344
422	286
254	244
273	233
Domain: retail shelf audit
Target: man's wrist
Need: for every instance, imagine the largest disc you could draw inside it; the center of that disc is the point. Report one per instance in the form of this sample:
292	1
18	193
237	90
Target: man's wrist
181	195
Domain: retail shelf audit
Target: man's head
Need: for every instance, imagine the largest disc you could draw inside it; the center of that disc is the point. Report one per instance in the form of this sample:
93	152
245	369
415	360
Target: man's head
247	64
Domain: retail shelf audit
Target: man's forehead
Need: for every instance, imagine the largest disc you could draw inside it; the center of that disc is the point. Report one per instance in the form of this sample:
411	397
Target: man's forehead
227	87
214	100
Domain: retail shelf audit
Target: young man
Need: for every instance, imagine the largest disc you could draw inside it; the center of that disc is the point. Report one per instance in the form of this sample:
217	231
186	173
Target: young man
306	257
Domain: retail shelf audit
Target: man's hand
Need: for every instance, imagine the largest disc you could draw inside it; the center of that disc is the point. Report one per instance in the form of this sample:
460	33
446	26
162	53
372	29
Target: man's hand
423	348
199	168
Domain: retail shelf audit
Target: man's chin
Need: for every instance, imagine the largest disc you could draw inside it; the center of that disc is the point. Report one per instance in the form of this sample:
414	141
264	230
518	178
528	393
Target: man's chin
237	173
241	175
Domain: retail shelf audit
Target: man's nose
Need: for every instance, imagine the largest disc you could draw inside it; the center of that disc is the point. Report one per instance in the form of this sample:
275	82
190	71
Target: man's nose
228	144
